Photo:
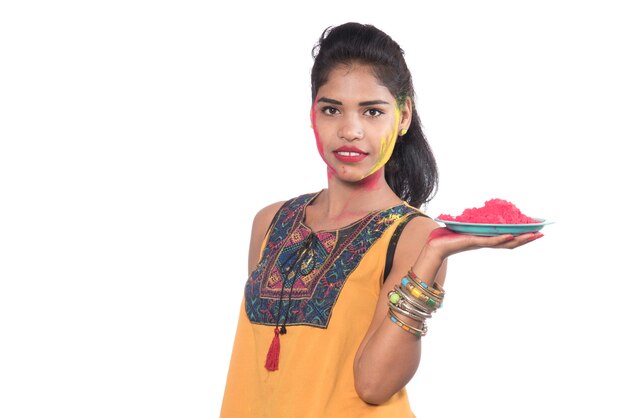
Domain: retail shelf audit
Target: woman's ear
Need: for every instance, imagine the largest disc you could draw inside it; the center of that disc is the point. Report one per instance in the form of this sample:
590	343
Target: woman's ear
405	115
312	114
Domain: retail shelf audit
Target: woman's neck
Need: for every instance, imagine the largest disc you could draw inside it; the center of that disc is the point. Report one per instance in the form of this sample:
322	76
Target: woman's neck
343	199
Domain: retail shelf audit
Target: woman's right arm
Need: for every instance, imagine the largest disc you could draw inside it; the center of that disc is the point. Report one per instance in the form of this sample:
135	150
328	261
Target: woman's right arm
260	226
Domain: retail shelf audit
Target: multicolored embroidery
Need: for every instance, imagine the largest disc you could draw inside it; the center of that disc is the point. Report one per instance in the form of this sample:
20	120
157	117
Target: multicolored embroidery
302	273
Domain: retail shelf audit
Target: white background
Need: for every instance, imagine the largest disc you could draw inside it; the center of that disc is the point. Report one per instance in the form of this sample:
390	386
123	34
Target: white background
138	140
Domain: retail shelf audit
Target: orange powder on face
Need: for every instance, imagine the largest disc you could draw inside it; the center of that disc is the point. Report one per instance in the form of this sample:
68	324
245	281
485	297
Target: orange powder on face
386	145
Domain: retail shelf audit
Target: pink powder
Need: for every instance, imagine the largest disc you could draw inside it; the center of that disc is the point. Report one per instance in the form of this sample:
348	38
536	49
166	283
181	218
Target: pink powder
495	211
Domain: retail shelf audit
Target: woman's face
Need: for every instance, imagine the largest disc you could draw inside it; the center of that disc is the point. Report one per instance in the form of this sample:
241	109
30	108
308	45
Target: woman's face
356	122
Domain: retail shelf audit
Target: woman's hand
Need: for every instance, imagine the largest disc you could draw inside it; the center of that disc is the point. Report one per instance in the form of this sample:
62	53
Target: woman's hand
443	242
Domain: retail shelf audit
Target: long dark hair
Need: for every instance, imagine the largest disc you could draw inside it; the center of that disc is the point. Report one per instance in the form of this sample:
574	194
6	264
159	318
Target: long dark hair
411	171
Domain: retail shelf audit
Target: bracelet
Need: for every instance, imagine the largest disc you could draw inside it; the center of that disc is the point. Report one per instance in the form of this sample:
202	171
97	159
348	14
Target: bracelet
433	289
418	304
408	328
397	299
416	300
406	313
422	294
422	286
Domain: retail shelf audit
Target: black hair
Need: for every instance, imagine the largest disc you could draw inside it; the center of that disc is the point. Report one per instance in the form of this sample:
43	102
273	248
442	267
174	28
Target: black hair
411	172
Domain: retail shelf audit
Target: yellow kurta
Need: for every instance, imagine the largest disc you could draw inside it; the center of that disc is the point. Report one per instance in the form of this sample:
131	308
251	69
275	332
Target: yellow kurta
315	373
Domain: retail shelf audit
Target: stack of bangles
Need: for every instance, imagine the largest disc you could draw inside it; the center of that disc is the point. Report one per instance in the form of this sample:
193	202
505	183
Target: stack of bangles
416	300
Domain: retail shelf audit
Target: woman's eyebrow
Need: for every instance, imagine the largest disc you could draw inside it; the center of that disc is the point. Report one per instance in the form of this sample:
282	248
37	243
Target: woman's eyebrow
330	101
366	103
373	102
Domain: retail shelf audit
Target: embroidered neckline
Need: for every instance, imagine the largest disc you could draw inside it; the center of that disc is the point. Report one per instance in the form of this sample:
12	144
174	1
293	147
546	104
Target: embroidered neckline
337	255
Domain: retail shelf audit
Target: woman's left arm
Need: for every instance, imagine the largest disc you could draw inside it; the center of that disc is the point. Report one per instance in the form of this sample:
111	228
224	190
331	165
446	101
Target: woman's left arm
388	356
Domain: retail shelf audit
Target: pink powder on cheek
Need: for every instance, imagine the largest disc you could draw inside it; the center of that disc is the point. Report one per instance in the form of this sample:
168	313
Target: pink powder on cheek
371	182
320	147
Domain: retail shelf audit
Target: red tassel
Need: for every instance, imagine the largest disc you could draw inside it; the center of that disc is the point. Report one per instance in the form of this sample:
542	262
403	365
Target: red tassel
271	361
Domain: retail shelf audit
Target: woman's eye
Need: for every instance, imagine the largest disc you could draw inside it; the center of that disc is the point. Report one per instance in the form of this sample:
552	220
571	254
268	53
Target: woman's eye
373	112
328	110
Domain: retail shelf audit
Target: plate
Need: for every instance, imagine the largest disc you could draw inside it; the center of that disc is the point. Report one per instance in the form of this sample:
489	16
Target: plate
490	230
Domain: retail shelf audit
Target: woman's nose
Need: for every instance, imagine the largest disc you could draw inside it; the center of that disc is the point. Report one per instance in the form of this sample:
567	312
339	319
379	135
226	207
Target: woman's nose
351	129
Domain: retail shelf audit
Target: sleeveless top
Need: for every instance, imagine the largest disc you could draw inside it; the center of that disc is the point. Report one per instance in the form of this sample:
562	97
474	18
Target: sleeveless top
323	287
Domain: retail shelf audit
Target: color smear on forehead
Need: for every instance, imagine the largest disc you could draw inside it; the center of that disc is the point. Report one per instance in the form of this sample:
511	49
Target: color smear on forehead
387	144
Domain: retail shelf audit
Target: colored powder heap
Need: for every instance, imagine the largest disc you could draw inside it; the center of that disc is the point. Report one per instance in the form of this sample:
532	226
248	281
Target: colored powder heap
495	211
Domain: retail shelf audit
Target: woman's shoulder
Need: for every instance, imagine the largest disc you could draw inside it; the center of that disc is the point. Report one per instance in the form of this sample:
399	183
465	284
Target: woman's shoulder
272	208
261	223
417	229
411	241
264	217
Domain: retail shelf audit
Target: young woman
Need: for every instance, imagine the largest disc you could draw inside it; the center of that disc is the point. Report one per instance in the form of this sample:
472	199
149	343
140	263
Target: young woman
342	281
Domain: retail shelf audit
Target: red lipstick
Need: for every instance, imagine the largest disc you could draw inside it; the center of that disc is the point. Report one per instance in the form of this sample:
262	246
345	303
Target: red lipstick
349	154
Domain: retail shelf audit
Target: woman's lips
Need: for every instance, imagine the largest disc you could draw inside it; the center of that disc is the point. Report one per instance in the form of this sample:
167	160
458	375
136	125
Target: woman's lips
349	154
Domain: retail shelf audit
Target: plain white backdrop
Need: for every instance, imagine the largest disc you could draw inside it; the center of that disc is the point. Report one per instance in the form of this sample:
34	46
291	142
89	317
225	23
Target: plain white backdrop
138	139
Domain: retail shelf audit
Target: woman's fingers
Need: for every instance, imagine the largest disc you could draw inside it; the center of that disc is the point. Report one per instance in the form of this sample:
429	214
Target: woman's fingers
520	240
495	241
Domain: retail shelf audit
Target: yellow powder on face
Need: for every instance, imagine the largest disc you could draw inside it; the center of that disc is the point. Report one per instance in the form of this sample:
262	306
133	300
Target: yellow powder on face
386	145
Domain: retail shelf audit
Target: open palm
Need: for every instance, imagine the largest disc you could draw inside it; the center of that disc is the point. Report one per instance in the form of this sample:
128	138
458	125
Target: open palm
445	242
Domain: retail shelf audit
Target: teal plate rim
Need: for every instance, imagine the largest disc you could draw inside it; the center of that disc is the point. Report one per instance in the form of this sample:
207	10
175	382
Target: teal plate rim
494	229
